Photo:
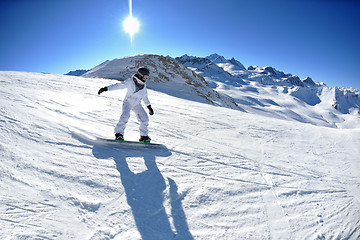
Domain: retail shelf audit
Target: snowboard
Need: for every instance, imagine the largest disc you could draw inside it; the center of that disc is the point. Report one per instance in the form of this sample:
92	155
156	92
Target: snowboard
130	143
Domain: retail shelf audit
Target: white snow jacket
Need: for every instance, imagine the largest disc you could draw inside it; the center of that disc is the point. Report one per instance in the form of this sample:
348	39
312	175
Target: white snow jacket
133	97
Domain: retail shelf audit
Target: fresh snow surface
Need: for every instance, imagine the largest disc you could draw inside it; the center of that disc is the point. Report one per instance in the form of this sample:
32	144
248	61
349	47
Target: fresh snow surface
223	173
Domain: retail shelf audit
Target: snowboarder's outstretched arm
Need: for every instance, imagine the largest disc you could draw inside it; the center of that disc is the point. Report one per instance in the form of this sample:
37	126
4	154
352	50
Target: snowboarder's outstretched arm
115	86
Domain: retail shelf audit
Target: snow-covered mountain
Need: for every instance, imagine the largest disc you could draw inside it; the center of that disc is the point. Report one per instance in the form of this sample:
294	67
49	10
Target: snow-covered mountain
217	65
223	173
167	75
222	82
232	65
77	73
257	89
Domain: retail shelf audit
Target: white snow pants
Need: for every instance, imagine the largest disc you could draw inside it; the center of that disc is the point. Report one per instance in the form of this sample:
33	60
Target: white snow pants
140	114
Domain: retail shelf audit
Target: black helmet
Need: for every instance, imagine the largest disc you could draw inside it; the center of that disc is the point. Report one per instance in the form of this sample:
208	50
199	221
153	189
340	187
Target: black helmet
143	71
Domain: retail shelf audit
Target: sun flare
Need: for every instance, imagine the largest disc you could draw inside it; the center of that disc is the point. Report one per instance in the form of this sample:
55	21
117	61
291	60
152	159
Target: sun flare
131	25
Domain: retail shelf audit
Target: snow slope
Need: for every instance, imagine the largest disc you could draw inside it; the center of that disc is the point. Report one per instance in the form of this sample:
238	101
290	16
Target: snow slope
224	173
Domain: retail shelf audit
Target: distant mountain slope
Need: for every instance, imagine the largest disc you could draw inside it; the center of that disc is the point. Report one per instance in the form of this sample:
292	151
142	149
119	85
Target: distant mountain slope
268	91
167	76
77	73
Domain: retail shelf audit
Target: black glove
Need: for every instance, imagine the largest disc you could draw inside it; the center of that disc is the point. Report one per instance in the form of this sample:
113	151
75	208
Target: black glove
151	111
102	90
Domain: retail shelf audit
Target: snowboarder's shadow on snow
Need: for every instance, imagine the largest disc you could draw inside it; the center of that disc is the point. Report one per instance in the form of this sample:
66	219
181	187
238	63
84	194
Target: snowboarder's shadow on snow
145	192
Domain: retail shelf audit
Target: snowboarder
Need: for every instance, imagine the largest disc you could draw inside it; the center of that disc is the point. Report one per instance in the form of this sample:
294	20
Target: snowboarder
136	91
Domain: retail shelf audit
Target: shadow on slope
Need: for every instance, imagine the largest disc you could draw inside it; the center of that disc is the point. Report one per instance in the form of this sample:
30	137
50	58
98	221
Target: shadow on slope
144	191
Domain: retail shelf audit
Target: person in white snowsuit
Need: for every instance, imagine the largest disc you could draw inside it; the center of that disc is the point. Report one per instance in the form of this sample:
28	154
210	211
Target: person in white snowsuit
136	91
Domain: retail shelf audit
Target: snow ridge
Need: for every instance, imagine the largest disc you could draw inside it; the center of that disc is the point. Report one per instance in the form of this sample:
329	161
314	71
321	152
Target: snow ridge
257	88
77	73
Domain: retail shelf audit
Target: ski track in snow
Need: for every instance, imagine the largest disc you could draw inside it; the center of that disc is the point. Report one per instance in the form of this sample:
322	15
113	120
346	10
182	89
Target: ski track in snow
224	174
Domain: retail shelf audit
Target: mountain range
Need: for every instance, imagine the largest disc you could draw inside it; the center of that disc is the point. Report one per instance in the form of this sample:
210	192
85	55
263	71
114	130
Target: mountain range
223	82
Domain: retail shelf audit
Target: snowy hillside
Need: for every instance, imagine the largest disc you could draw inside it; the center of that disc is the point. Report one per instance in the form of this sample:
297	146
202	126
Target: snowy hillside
224	173
167	76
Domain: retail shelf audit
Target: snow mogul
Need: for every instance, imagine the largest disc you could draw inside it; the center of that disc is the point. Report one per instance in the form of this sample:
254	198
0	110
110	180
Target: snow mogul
136	91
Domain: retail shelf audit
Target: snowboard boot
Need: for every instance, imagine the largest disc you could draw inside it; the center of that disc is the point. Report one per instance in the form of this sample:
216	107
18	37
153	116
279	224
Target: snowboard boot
145	139
119	136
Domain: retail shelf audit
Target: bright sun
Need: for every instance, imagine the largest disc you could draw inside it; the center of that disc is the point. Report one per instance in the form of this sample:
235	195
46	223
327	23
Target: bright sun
131	25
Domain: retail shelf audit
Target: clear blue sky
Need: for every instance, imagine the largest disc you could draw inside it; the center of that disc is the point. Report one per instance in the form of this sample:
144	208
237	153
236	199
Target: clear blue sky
316	38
